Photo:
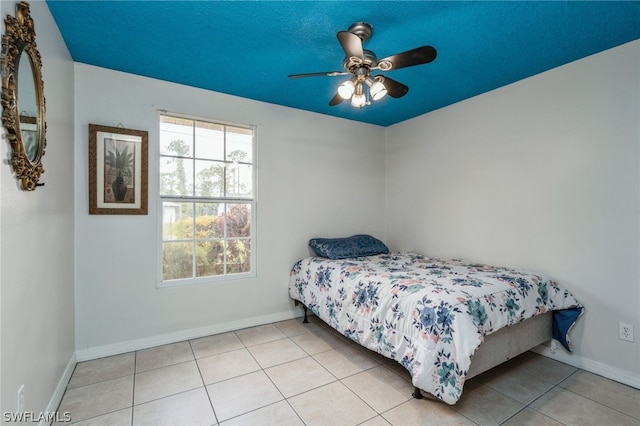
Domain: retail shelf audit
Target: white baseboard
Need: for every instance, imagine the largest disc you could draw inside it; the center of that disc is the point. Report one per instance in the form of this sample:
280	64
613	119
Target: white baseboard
179	336
559	354
56	398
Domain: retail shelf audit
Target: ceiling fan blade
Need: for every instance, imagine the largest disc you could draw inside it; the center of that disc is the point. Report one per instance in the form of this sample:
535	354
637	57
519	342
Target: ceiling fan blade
394	88
351	44
336	100
319	74
418	56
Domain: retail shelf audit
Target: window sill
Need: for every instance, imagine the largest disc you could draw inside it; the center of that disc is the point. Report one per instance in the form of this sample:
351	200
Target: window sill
204	280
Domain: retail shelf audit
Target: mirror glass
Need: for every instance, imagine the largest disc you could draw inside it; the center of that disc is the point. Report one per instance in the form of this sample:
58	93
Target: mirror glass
28	108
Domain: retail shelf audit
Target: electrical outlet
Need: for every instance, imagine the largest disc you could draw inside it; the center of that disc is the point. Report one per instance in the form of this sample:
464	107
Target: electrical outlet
20	399
626	332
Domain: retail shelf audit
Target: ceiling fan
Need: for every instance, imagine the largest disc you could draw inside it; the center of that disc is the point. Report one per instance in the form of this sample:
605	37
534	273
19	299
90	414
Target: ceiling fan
360	62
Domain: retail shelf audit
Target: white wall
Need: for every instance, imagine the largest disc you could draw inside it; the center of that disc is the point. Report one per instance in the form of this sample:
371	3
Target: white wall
542	174
317	176
37	242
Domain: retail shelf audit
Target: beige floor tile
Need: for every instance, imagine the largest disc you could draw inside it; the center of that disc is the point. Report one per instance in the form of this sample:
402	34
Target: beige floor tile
375	355
518	360
345	361
543	368
280	414
397	368
260	334
226	366
376	421
330	404
161	356
117	418
339	336
295	326
318	341
425	412
276	352
191	408
216	344
607	392
323	326
515	384
165	381
529	417
299	376
573	409
340	383
486	406
379	387
99	370
243	394
97	399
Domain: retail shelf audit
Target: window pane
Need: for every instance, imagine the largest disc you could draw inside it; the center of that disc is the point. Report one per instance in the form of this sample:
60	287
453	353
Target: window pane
209	178
177	221
177	260
209	141
176	176
239	180
206	192
209	221
176	136
238	256
210	258
239	144
238	220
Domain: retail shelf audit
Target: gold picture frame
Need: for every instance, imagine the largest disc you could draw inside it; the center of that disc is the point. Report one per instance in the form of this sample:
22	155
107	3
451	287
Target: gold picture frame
23	105
118	168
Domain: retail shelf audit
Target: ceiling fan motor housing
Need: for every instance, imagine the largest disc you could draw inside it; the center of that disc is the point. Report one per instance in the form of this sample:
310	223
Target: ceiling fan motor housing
362	30
352	64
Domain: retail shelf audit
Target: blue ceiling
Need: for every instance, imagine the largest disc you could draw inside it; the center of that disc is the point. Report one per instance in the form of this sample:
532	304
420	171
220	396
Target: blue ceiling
248	48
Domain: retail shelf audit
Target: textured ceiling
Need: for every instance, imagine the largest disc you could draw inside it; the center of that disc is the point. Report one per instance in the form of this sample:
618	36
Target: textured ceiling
249	48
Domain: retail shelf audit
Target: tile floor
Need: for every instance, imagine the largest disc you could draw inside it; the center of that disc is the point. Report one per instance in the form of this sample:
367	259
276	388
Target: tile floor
289	373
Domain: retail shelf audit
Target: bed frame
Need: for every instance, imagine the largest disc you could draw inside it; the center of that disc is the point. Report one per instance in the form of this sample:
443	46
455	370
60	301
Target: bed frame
501	346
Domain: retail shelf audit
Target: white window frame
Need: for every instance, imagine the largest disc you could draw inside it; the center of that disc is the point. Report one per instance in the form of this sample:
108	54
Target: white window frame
161	283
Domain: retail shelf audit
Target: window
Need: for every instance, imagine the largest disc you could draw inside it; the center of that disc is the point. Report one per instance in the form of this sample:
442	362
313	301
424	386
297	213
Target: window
207	194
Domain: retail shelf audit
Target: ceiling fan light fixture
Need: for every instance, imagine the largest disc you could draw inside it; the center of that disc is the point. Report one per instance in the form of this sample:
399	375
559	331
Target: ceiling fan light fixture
346	89
377	90
358	101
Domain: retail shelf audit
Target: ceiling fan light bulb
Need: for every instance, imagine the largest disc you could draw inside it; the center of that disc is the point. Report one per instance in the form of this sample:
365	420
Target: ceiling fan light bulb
358	100
346	89
377	91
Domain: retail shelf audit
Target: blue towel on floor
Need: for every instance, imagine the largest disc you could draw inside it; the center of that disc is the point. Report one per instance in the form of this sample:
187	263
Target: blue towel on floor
562	322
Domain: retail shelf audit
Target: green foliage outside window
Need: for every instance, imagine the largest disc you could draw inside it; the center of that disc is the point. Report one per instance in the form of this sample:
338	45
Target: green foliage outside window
209	245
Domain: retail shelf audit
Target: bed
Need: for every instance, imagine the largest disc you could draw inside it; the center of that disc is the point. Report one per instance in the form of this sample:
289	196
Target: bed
431	315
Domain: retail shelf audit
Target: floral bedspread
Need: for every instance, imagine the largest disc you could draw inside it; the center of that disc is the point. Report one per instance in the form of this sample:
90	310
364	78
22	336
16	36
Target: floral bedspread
428	314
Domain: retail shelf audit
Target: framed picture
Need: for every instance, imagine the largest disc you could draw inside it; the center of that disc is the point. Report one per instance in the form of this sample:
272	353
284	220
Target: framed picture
118	167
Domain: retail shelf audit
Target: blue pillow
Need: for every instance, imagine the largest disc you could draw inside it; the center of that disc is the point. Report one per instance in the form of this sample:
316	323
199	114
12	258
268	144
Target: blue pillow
354	246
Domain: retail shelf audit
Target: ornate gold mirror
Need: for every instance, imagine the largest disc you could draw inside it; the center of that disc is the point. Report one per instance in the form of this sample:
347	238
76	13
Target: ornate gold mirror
23	110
